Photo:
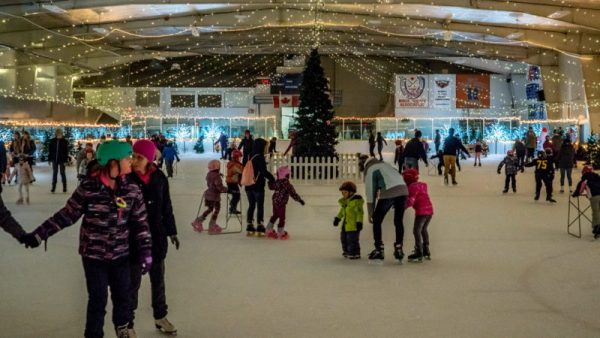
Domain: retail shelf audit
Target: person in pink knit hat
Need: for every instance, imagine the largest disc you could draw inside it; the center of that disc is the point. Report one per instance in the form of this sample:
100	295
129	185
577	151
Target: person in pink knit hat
212	199
418	198
283	190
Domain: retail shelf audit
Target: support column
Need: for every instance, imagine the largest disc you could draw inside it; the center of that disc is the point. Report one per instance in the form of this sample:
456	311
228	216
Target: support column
591	75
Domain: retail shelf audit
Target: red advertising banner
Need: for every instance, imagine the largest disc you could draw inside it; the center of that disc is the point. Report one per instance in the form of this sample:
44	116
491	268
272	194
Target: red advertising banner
472	91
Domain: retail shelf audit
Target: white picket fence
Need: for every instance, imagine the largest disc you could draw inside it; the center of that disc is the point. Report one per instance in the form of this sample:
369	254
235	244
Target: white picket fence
320	170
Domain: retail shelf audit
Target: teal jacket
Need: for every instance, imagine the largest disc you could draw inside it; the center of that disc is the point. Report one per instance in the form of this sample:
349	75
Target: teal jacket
351	212
382	181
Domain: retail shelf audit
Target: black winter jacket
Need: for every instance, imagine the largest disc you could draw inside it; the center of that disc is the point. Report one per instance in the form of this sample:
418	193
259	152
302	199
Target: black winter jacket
414	148
58	150
259	165
566	156
161	219
593	183
8	223
452	145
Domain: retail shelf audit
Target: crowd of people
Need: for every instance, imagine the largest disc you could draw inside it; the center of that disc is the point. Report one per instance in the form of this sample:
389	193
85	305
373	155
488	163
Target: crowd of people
124	199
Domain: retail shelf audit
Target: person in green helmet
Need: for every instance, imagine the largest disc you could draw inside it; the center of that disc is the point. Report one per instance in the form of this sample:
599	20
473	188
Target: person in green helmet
114	215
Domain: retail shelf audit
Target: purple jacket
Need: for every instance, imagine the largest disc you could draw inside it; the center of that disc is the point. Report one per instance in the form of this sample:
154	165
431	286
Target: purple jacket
215	187
418	198
283	190
106	228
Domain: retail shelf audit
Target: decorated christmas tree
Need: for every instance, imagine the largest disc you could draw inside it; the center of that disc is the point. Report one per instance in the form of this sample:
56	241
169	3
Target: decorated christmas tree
315	130
593	151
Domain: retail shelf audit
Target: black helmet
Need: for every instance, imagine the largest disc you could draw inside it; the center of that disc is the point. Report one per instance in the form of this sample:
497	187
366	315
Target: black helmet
541	154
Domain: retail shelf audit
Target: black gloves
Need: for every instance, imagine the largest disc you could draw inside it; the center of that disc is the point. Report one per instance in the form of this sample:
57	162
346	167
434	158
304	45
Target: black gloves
336	221
175	241
301	202
498	171
359	226
30	240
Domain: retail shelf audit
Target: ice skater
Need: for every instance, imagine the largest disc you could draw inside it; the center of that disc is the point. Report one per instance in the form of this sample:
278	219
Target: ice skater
380	141
511	167
399	155
283	191
233	178
351	216
589	186
255	190
169	154
85	162
452	146
115	225
544	173
155	187
478	151
418	198
24	178
212	199
385	188
440	157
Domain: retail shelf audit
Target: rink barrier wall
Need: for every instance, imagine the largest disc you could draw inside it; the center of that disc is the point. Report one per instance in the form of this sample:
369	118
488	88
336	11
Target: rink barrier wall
318	170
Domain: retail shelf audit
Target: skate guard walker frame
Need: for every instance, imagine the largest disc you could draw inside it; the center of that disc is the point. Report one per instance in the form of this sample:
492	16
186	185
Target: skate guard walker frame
575	204
228	216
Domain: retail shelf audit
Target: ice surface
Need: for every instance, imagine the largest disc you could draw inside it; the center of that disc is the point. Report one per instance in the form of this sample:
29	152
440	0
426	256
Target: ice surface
503	266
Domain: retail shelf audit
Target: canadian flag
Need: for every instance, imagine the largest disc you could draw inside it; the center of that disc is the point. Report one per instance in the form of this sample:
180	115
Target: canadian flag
285	101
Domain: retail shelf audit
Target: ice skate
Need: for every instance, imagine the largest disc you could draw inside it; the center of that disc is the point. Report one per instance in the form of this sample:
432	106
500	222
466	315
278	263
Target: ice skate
271	234
165	326
596	231
122	331
283	235
551	200
446	180
197	225
536	198
480	164
250	230
504	191
354	257
376	256
234	212
20	201
426	253
260	230
214	229
454	182
398	253
416	256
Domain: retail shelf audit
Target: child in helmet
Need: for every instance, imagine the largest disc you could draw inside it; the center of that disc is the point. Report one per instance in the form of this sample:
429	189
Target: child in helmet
114	215
511	163
351	216
212	199
234	176
544	173
418	198
283	190
590	186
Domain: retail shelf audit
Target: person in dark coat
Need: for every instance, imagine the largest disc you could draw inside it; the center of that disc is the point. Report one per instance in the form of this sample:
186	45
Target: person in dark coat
256	192
399	155
246	146
371	144
413	151
380	141
58	156
28	149
452	145
272	146
3	162
565	161
437	140
161	220
292	145
222	141
520	151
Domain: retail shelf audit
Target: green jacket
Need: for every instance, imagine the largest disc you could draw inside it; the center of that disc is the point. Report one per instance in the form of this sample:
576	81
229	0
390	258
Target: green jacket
351	212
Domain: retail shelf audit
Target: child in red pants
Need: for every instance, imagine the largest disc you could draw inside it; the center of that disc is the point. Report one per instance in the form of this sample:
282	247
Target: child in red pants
212	199
283	190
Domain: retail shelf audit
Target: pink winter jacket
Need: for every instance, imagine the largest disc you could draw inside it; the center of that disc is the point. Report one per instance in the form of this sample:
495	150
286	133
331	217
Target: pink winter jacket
418	198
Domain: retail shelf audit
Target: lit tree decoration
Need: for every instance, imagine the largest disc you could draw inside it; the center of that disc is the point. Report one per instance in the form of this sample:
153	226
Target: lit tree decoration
183	132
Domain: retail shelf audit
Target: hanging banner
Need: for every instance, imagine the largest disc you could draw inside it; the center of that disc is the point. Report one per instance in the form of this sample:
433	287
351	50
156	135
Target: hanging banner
536	109
472	91
442	94
411	91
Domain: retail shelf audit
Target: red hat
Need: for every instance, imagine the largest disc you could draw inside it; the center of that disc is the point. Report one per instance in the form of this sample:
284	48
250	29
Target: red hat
214	165
145	148
410	176
587	169
236	154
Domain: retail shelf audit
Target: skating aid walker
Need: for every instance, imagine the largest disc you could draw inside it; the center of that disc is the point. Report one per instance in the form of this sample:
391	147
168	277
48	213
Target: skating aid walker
224	230
574	204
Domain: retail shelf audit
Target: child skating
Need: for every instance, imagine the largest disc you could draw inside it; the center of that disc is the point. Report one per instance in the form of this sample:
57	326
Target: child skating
351	216
24	178
83	167
233	178
544	173
283	190
511	167
212	199
478	151
418	198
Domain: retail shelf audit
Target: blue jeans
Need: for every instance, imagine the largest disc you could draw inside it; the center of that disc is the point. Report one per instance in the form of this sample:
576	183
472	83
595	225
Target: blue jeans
411	163
99	276
256	199
562	176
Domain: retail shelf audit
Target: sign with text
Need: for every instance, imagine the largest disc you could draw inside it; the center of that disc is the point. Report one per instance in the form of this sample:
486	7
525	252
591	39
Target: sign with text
472	90
442	91
412	91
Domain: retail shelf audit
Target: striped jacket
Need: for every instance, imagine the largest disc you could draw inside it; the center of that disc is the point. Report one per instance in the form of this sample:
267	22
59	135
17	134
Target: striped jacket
106	228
